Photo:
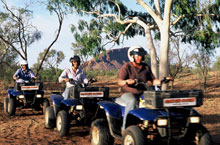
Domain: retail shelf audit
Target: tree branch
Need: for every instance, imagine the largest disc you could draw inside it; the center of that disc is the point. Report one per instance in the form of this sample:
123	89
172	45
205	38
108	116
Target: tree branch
157	18
60	16
119	35
12	46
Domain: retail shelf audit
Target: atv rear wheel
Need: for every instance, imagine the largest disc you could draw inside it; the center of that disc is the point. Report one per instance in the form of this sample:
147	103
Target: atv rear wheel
6	105
133	136
46	104
99	133
50	119
62	123
11	107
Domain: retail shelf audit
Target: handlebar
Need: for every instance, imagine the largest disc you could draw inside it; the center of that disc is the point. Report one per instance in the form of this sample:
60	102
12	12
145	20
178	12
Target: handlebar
164	80
90	81
25	81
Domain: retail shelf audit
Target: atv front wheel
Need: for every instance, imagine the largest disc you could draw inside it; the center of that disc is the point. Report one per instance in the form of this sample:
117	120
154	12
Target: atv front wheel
198	135
50	119
11	107
56	109
62	123
133	136
46	104
6	104
99	133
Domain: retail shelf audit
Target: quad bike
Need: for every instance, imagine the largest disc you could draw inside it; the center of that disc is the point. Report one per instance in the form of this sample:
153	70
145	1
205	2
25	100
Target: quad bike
80	109
25	94
162	118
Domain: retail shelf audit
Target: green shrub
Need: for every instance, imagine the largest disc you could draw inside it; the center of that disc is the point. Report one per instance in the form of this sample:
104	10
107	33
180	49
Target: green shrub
96	73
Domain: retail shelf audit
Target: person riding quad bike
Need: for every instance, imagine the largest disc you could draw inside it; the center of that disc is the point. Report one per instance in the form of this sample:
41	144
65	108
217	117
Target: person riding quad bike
23	73
77	105
27	93
145	114
134	70
72	76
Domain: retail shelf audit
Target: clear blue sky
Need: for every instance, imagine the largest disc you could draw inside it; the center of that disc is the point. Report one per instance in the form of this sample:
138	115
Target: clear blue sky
47	23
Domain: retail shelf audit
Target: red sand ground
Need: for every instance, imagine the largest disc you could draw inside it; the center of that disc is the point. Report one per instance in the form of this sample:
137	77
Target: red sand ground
27	127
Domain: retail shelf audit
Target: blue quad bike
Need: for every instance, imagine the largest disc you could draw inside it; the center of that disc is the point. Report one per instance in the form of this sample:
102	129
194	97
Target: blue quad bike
26	94
79	109
162	118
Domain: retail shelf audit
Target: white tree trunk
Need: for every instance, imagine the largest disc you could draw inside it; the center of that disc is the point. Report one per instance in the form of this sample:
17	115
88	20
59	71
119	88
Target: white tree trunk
164	47
153	54
164	41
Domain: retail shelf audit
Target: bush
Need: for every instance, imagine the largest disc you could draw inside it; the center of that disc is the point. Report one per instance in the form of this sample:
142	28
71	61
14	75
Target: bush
216	65
108	73
49	75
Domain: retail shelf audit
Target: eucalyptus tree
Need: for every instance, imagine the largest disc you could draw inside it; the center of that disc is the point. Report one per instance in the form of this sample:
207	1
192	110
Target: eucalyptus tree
160	17
57	7
52	60
88	39
16	29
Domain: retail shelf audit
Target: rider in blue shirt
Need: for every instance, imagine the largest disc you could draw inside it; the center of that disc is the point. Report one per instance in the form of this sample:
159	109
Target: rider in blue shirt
23	73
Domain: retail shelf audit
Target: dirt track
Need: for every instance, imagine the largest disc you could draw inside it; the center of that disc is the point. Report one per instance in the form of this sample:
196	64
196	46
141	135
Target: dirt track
27	127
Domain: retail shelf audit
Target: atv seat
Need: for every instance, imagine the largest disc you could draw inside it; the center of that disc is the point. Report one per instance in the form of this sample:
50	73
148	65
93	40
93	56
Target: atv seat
119	102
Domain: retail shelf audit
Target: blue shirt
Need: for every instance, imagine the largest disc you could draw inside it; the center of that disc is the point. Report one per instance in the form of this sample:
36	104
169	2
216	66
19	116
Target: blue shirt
24	75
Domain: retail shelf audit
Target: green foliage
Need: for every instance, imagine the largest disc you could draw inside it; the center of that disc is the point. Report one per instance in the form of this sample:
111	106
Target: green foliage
49	75
216	65
95	73
52	60
200	23
8	71
88	39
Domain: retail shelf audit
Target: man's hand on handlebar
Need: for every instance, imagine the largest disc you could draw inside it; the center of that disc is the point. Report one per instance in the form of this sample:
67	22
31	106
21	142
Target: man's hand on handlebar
131	82
15	78
166	79
156	82
66	79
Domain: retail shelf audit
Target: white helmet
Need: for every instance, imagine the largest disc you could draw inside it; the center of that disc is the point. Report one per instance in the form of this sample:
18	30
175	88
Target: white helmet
23	62
136	50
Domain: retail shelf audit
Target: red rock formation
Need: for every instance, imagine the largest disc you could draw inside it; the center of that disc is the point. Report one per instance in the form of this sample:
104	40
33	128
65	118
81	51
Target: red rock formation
113	59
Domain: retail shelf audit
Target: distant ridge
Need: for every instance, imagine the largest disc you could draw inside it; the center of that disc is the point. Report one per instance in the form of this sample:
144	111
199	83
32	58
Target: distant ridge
113	59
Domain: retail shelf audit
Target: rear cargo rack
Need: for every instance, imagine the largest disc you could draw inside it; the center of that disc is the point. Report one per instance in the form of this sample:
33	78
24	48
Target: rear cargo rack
176	98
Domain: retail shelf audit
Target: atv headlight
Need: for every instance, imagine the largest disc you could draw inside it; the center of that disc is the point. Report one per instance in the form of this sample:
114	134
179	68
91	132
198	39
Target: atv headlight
21	96
38	96
146	122
162	122
194	119
79	107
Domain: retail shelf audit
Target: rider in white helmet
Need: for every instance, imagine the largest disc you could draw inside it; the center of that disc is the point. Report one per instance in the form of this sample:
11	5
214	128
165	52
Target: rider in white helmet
134	70
23	73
